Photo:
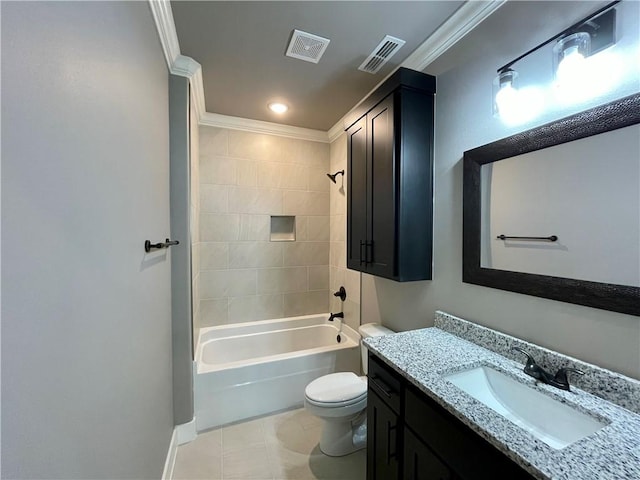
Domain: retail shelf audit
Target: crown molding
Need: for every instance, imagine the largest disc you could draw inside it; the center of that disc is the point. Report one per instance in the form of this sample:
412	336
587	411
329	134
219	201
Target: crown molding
335	131
163	17
465	19
258	126
189	68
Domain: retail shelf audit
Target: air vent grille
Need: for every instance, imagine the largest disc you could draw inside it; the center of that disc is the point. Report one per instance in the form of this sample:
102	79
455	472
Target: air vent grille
381	54
306	46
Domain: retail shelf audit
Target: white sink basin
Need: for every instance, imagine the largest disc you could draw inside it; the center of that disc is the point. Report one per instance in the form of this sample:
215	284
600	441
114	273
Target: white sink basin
555	423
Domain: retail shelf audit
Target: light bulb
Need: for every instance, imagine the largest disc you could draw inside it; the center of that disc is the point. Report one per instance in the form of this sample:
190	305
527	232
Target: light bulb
278	107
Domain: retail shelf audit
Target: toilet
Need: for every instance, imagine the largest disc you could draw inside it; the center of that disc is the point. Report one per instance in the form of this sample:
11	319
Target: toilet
340	399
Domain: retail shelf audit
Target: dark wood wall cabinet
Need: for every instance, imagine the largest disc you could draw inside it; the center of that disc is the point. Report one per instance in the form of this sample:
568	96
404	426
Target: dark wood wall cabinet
390	179
411	437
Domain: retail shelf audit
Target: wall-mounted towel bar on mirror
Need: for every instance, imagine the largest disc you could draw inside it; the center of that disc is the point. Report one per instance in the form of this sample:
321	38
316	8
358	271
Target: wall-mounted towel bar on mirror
148	246
550	238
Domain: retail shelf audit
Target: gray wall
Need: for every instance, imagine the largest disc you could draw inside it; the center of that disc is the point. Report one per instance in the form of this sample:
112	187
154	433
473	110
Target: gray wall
86	315
464	121
182	343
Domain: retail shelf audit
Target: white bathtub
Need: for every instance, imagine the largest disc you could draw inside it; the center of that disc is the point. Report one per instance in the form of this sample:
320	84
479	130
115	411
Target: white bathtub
255	368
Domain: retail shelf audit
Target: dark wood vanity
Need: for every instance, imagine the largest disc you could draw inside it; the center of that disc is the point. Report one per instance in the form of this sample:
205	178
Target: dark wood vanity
410	436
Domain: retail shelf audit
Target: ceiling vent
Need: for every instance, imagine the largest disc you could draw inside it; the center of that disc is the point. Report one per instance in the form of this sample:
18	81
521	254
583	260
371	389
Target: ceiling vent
306	46
381	54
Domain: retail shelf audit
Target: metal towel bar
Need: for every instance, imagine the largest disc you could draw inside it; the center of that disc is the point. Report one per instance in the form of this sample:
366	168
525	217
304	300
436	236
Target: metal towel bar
551	238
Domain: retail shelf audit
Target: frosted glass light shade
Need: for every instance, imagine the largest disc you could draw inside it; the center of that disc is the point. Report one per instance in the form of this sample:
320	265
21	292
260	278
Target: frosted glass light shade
568	56
505	92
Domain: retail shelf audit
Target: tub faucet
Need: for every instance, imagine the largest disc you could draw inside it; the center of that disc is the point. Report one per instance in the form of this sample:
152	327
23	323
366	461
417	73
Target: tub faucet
559	380
336	315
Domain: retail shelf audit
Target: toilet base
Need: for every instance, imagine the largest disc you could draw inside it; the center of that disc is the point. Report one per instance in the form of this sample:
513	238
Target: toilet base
341	437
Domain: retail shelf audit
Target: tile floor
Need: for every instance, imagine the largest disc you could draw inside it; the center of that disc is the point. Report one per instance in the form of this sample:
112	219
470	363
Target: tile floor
277	447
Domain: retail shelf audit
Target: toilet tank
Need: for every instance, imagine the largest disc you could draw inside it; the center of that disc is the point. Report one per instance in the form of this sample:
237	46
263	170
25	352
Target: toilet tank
370	330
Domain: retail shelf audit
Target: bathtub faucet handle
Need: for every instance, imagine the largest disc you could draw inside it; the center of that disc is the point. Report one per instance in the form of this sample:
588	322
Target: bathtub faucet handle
342	293
336	315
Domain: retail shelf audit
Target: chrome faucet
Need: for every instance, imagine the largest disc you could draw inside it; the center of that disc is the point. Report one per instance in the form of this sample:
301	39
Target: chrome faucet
336	315
559	380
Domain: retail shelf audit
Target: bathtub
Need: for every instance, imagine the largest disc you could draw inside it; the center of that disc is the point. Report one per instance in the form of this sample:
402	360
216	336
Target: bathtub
254	368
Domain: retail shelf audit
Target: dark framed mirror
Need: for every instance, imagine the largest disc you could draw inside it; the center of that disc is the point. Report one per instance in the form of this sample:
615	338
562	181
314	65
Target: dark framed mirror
581	135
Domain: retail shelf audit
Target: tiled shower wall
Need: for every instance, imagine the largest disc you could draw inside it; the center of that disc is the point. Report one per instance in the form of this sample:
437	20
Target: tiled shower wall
245	178
339	275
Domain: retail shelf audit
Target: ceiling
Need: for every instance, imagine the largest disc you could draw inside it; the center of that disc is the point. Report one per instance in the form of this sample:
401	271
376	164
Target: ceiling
241	47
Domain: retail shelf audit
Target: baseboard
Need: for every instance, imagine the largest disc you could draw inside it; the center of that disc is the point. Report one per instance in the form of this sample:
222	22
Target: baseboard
170	462
186	432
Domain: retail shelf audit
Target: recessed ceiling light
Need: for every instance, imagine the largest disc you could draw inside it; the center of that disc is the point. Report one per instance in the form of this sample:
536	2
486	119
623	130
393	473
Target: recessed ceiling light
278	107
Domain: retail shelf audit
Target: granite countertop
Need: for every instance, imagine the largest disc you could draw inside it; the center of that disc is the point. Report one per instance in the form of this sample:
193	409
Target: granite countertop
424	356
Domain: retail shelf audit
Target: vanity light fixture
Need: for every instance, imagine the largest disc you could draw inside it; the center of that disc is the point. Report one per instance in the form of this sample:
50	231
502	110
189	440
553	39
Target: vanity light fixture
278	107
574	44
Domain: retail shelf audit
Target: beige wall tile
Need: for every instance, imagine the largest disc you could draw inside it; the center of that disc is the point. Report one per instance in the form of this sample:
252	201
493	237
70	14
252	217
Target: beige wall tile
212	141
315	155
219	228
214	256
338	254
338	228
255	200
352	285
318	181
255	146
319	277
336	278
338	201
318	228
306	253
301	228
338	154
214	199
227	283
306	303
281	280
213	312
305	203
254	228
217	170
351	314
246	173
255	254
257	307
282	175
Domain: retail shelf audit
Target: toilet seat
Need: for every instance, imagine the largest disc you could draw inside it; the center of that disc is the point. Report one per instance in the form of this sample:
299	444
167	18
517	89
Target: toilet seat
336	390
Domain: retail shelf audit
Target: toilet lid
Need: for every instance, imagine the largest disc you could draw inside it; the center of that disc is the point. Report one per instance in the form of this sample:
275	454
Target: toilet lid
336	388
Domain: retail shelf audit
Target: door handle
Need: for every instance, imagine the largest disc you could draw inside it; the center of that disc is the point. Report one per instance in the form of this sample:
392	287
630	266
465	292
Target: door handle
363	244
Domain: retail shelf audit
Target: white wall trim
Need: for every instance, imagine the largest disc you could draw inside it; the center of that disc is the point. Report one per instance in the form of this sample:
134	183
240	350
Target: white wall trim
186	432
335	131
163	16
465	19
258	126
189	68
170	462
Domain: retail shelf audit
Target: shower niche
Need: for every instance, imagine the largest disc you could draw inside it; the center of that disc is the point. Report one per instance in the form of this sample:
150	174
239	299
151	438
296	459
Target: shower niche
283	228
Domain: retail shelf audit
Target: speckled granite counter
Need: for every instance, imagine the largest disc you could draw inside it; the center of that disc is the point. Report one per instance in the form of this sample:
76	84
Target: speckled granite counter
424	356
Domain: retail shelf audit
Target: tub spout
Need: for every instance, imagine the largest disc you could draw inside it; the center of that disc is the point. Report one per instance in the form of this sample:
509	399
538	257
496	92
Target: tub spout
336	315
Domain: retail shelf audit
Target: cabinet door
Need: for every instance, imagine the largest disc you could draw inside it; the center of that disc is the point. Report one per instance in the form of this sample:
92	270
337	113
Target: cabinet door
357	195
420	463
381	206
382	440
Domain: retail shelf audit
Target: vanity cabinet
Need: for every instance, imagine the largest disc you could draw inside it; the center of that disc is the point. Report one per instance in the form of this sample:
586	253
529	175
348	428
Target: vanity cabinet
411	437
390	179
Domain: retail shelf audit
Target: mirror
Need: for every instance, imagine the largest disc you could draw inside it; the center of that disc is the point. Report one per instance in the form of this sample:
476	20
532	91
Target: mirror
554	181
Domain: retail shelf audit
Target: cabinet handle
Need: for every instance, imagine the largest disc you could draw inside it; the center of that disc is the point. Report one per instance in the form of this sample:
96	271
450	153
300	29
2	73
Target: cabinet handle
363	244
369	251
384	388
391	443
